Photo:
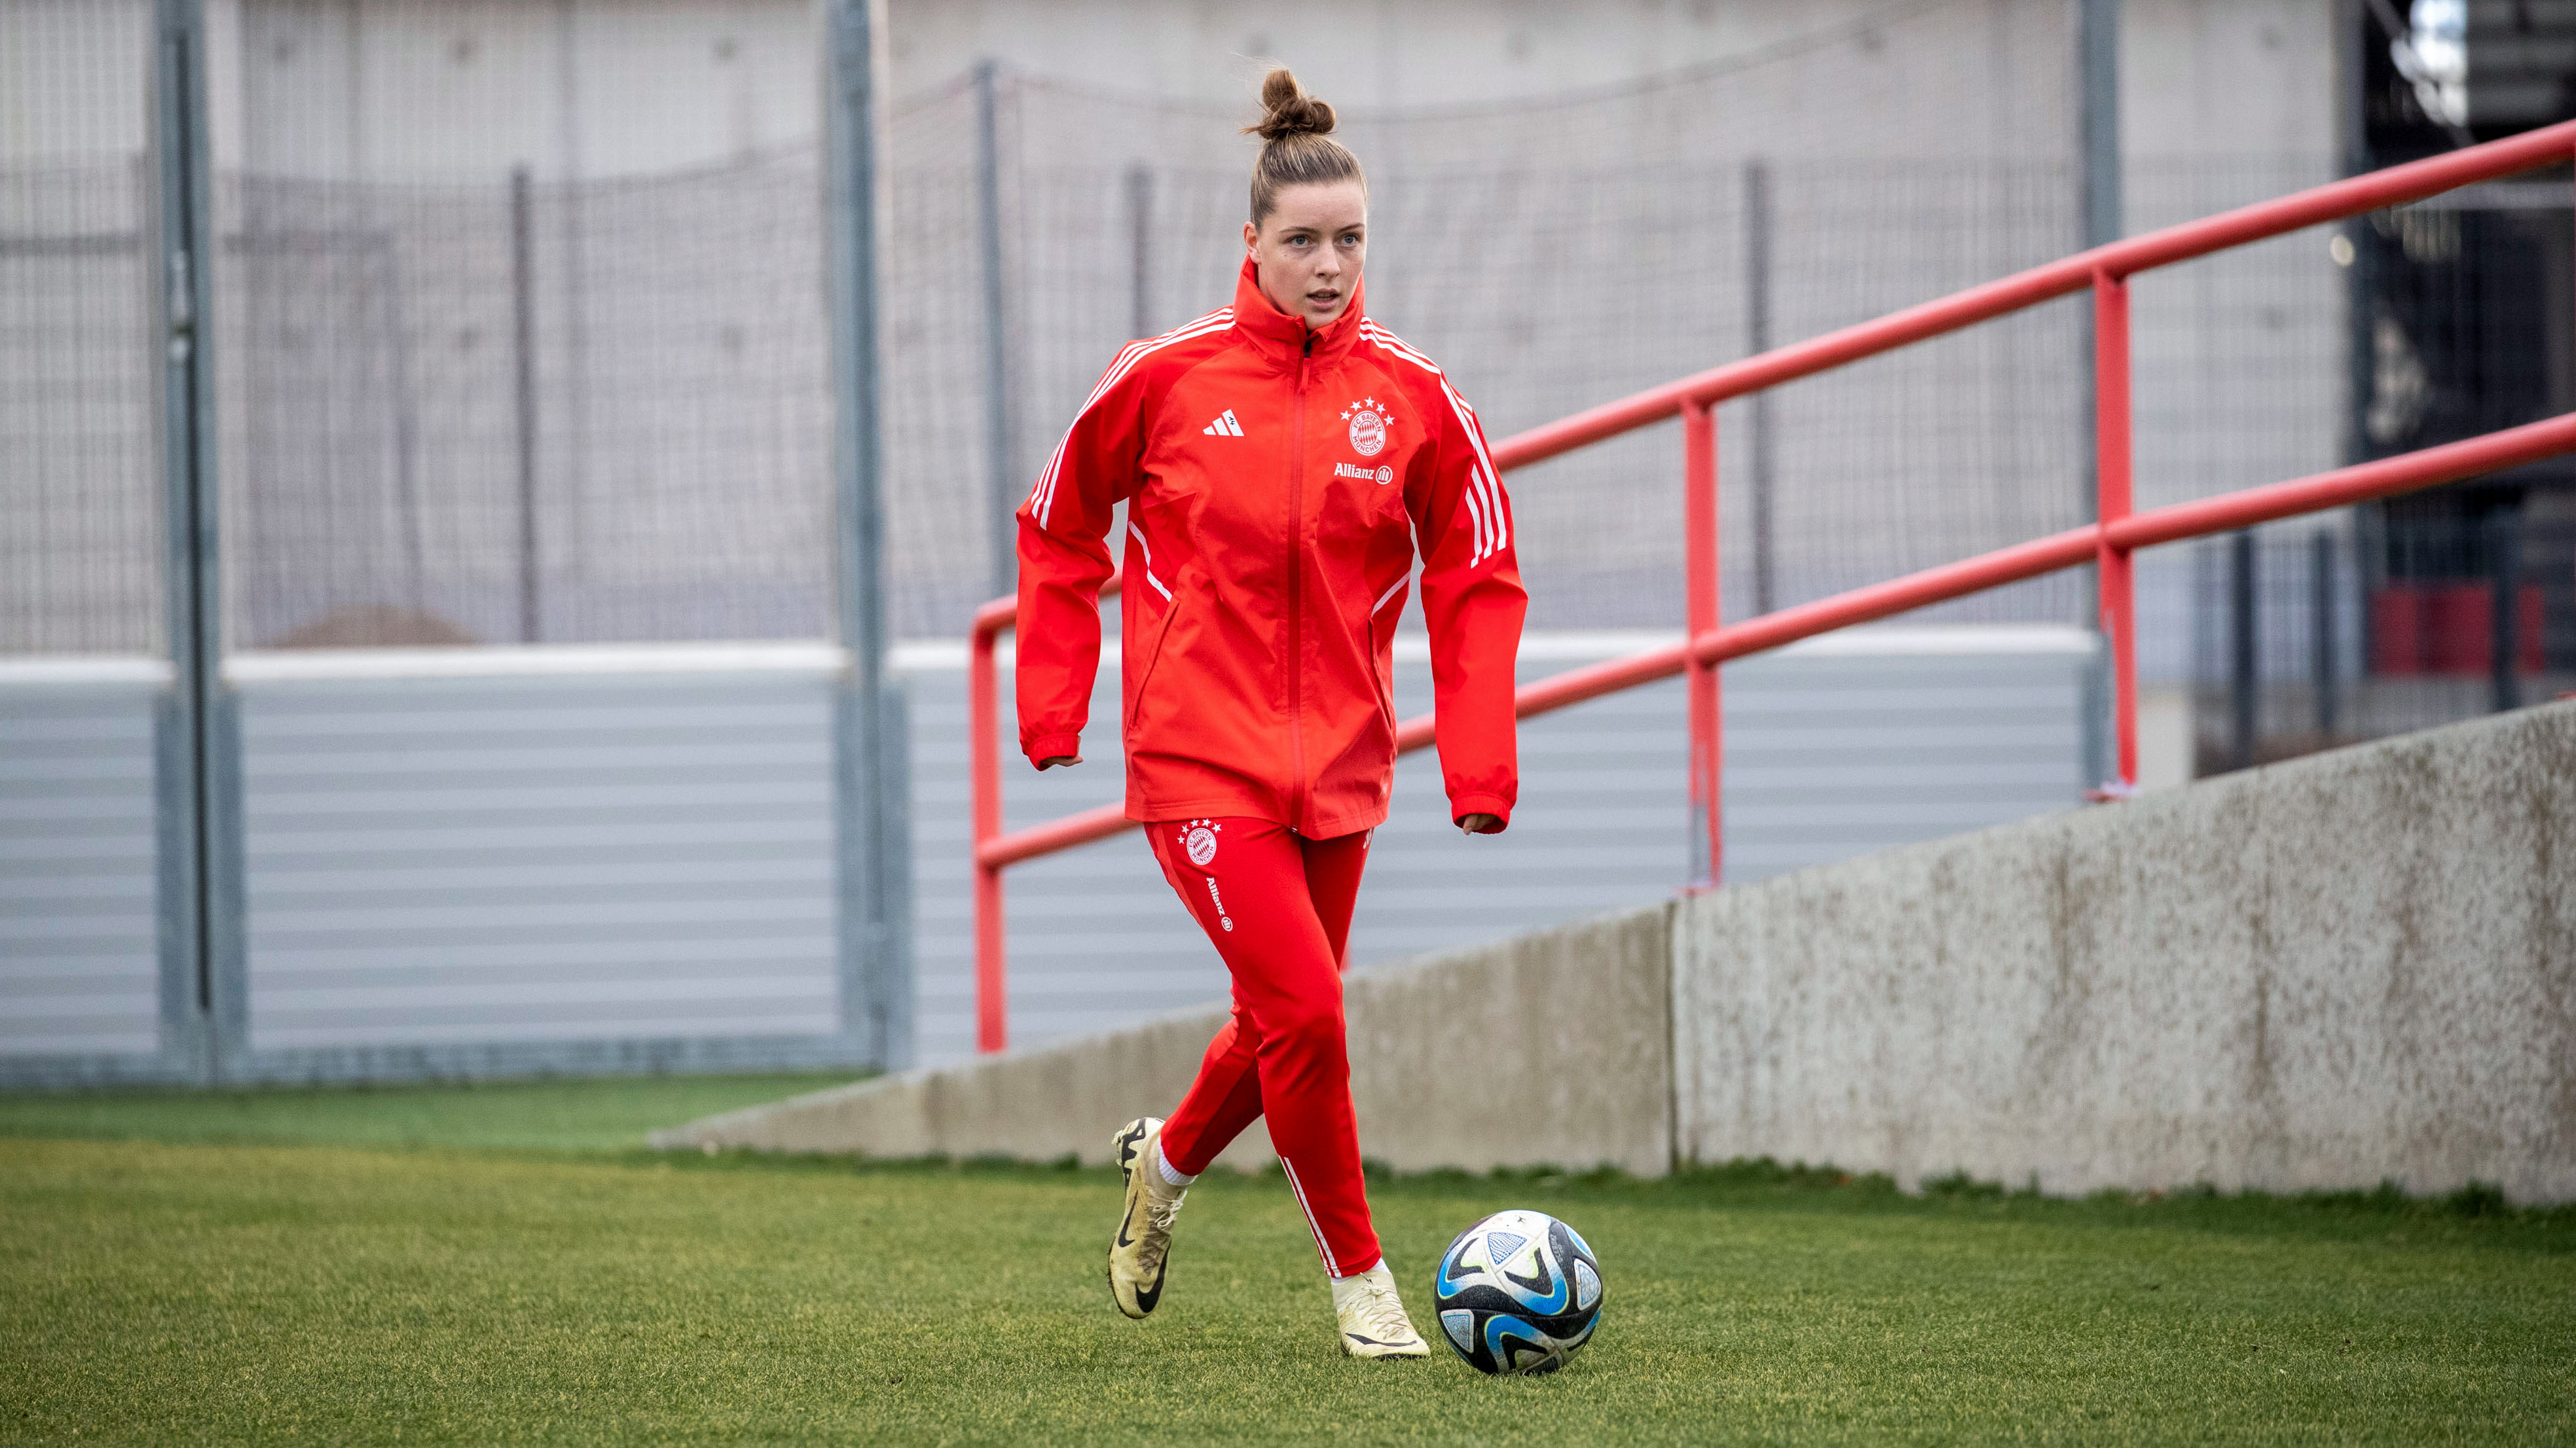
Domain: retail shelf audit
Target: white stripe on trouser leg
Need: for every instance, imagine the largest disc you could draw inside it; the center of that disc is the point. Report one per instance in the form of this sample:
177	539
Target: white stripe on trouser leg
1330	1266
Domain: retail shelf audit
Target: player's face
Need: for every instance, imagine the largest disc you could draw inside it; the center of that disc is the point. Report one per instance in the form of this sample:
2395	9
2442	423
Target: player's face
1309	248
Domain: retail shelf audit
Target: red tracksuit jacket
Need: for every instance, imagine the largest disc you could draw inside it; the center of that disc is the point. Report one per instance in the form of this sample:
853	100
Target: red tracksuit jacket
1276	485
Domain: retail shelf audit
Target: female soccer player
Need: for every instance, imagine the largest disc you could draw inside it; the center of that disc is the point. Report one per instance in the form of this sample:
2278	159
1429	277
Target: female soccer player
1280	460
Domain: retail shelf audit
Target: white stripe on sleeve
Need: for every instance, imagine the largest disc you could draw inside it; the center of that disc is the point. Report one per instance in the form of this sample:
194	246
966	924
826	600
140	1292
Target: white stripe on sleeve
1043	495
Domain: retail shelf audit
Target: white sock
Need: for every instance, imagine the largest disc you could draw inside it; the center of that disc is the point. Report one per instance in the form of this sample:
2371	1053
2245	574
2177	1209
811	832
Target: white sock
1349	1285
1163	1166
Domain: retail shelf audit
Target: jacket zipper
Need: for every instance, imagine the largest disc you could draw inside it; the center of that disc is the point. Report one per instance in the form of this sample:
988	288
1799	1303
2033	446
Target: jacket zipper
1296	595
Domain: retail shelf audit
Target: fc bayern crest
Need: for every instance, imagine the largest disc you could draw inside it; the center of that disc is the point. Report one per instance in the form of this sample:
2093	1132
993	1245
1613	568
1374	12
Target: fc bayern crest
1201	844
1368	427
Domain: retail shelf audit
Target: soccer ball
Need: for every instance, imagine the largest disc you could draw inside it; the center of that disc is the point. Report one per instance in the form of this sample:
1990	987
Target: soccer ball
1517	1293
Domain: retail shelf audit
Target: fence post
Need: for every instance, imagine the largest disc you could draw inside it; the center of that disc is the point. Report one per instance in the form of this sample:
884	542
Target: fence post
1002	481
2242	662
1140	250
873	791
2097	69
1757	340
1707	724
2321	610
2504	564
523	307
205	1010
2115	569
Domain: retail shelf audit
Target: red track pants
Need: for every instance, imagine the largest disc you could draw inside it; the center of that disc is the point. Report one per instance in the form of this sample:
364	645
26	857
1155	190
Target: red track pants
1278	907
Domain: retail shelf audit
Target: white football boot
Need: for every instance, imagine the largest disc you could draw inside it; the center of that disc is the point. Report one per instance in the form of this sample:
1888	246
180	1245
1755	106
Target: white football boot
1372	1317
1144	1240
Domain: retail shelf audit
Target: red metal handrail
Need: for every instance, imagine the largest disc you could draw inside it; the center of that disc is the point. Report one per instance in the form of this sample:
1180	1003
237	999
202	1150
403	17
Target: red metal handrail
2108	543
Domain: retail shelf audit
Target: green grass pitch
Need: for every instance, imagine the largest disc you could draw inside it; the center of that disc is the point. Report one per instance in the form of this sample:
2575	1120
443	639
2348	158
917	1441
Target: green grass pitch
506	1265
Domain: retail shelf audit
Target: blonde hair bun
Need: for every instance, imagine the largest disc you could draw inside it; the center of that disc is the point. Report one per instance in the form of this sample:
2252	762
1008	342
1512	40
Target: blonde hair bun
1287	110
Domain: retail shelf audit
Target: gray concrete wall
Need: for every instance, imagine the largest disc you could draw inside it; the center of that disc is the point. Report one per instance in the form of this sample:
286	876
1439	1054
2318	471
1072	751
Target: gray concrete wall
1553	1047
2351	967
2354	967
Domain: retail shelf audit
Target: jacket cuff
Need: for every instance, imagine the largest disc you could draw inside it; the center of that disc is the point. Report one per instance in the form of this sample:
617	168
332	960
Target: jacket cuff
1051	746
1463	805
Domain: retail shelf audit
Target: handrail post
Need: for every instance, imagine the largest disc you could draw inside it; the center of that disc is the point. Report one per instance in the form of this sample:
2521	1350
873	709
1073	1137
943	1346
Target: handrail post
1701	614
984	748
2115	566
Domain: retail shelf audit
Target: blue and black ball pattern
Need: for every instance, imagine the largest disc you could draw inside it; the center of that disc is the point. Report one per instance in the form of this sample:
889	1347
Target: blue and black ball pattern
1517	1293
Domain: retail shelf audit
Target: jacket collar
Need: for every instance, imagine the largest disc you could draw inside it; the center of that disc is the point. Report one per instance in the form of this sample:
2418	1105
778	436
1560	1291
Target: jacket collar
1281	337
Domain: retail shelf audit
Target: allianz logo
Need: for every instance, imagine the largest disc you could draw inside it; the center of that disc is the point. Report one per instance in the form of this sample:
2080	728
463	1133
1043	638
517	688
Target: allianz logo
1365	475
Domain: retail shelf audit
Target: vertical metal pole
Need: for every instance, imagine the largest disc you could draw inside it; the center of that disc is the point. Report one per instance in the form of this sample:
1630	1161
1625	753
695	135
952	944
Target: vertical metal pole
873	790
2097	68
205	1010
1757	329
984	762
2097	46
1707	722
1002	479
2115	569
2321	611
2504	564
1140	255
523	301
2241	661
572	476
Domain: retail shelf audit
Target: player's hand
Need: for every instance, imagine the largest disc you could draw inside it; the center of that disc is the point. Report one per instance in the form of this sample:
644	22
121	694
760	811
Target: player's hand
1051	761
1481	824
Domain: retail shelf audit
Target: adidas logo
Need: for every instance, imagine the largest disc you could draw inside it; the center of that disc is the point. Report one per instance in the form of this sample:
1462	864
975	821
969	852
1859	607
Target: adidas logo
1224	426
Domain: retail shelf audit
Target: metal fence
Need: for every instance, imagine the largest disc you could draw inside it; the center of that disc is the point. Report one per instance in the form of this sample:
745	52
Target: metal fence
499	363
2319	637
478	390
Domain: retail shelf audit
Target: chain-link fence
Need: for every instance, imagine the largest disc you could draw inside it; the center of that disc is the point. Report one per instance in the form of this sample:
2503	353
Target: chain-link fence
478	388
1557	254
2312	636
472	392
80	490
511	411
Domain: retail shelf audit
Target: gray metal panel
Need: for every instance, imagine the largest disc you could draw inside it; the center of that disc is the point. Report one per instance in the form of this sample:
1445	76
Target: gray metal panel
1828	757
557	859
79	942
624	871
1096	938
1832	757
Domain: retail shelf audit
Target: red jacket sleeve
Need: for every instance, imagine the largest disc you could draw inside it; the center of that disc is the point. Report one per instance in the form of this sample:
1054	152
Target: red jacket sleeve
1064	560
1473	601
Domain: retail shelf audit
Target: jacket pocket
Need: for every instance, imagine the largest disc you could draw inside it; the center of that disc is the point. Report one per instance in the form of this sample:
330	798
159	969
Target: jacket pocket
1154	652
1382	673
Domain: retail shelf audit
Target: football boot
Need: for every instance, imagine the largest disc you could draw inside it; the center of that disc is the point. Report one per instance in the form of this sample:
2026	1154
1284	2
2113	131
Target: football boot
1372	1317
1144	1240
